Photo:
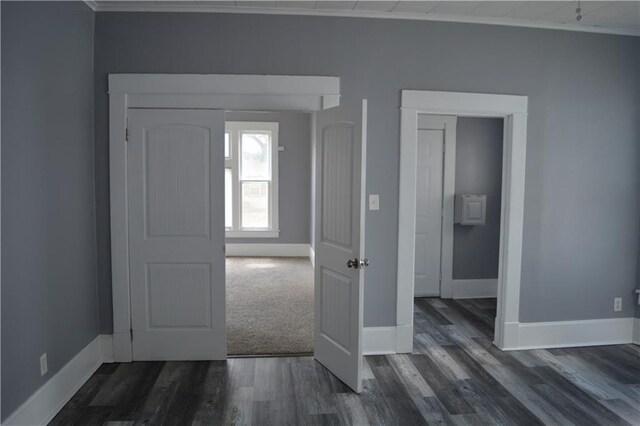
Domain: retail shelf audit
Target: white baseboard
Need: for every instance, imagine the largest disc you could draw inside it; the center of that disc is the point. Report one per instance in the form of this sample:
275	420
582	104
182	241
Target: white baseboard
387	340
106	348
44	404
469	289
379	340
566	334
312	256
268	250
404	339
636	331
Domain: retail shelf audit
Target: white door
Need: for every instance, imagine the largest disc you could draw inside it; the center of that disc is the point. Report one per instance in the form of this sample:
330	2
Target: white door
339	252
175	186
432	133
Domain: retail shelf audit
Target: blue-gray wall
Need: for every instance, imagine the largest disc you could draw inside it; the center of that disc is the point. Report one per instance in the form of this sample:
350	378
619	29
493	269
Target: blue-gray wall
294	179
49	297
580	225
478	171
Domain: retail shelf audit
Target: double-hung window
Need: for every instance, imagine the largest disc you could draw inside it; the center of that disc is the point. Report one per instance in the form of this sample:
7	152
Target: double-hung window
251	179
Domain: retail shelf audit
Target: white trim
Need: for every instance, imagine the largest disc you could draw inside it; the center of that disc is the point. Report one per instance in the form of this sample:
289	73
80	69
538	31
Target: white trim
378	340
513	109
223	84
464	104
251	234
267	250
312	256
238	92
123	7
470	289
566	334
537	335
106	348
387	340
43	405
404	339
91	4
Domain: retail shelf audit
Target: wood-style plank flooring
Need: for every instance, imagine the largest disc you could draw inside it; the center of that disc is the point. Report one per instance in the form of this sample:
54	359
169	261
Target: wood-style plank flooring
454	376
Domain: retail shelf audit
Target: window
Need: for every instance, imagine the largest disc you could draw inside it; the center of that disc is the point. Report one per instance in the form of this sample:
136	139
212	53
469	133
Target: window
251	179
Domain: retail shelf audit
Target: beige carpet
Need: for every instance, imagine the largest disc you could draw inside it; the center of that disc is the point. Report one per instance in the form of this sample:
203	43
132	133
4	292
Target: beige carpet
269	305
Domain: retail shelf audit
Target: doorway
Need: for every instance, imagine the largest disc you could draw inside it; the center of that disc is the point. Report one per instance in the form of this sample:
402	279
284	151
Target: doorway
190	165
268	222
513	111
457	257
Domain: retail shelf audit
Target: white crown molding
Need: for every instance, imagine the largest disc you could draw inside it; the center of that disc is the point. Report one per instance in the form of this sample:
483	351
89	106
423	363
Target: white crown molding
155	7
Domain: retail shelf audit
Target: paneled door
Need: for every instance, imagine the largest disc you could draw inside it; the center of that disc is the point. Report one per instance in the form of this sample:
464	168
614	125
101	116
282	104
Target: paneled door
433	132
339	252
175	167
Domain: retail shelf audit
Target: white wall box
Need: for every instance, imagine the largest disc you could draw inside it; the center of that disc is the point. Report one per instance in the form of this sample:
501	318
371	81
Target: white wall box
470	209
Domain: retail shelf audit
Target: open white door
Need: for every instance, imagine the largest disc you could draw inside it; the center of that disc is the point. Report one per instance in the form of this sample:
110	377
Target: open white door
175	167
339	252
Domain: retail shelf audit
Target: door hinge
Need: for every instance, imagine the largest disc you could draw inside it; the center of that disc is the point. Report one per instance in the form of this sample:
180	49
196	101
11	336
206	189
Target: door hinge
126	134
131	333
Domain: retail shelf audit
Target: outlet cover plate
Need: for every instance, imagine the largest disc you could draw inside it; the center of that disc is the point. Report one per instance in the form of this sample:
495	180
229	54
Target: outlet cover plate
43	364
617	304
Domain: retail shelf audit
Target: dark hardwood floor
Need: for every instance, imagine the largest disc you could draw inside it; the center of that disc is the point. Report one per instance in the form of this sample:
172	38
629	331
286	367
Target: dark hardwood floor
454	376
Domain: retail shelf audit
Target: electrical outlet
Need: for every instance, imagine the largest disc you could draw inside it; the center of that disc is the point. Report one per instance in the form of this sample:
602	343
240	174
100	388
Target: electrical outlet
617	304
43	364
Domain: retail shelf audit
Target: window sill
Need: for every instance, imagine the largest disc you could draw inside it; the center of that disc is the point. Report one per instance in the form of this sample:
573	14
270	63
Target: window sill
252	234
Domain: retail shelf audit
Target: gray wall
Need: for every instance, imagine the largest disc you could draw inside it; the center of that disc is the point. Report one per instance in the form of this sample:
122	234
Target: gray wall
478	171
49	299
294	179
581	200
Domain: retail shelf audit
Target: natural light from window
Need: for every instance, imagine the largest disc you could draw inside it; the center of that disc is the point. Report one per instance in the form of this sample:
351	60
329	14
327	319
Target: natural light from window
251	179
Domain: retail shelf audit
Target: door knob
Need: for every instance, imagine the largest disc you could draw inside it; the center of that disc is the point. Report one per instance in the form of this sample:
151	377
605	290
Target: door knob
356	263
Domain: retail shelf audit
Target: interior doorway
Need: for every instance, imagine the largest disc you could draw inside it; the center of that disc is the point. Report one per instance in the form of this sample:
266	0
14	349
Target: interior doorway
457	253
513	111
179	208
268	222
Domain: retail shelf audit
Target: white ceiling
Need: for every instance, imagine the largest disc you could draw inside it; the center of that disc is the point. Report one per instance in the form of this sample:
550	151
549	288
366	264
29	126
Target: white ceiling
617	17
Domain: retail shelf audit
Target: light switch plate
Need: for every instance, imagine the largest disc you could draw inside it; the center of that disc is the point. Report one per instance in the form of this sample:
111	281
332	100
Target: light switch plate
374	202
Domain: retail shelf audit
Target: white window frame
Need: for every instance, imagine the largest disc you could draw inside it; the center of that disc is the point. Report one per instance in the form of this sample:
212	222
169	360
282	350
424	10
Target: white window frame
235	129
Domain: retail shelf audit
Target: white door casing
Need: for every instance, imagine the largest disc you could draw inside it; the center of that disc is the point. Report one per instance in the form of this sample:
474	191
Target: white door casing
340	165
513	109
189	91
435	133
176	234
